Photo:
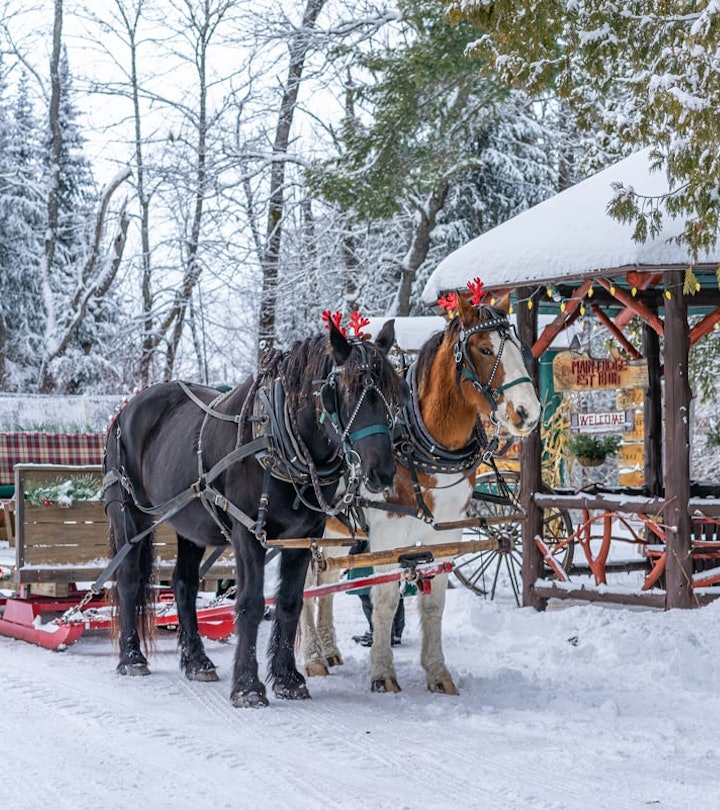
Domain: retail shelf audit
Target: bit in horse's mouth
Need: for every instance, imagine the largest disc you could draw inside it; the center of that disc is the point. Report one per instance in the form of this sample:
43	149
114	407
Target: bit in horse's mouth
375	489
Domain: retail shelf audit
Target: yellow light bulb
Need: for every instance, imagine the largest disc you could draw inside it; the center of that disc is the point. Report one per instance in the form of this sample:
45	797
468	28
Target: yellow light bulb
633	292
582	309
668	294
591	292
562	307
530	303
612	290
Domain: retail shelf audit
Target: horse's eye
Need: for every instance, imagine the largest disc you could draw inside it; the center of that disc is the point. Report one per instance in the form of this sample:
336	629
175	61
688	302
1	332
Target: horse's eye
487	352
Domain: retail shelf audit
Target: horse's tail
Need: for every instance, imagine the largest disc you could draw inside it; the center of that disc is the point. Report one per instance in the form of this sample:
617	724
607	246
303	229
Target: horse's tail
145	593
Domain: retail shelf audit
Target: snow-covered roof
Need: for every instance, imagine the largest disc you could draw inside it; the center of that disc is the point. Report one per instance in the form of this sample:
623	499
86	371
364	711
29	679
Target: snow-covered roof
410	333
569	235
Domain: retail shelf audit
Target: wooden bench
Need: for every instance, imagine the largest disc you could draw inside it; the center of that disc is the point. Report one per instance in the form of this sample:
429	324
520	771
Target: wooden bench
56	546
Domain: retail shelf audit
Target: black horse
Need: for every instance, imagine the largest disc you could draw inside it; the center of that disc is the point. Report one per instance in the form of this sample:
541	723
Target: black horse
263	460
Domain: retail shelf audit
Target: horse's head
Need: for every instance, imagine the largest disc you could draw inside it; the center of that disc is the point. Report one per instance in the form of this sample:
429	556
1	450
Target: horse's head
493	367
361	396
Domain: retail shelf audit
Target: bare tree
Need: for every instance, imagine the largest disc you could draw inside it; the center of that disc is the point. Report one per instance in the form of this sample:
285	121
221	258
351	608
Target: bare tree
95	276
298	46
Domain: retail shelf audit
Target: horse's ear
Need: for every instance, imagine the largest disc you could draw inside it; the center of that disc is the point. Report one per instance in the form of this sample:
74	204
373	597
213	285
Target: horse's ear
503	304
386	336
339	347
466	312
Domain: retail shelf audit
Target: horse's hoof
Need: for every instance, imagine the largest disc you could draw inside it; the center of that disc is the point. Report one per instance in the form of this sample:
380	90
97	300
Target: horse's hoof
385	685
206	674
133	669
251	699
335	660
315	669
295	691
444	687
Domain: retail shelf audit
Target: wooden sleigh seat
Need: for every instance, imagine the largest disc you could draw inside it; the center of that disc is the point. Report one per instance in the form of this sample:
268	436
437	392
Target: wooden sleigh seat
57	547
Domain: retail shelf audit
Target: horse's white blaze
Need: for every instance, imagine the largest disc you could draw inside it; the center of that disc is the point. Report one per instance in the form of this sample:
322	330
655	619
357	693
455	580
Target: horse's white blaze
520	398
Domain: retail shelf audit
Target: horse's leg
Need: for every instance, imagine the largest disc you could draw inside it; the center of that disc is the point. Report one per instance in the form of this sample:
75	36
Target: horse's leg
317	628
326	627
247	689
432	659
315	663
383	677
186	582
288	683
132	584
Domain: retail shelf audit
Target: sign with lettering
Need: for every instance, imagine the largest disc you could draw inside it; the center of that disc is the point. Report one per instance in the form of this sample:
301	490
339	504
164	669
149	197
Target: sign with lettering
637	432
575	372
632	456
609	421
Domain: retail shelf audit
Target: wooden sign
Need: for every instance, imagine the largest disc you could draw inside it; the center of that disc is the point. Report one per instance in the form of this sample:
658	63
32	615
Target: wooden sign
634	478
630	398
637	432
606	422
632	456
577	372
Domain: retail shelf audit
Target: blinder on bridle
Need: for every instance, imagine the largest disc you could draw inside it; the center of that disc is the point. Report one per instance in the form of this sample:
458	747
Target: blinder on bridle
331	405
466	368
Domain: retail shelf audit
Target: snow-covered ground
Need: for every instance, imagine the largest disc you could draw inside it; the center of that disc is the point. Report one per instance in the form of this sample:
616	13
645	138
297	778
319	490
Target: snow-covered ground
583	707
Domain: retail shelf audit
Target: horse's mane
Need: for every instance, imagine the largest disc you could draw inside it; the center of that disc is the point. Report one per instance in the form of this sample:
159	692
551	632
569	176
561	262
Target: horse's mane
308	361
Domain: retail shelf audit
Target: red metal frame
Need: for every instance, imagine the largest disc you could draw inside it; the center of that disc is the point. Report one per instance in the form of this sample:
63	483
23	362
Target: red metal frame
22	617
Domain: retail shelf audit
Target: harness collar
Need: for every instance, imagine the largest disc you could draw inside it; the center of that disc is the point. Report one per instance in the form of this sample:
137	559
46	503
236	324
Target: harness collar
412	439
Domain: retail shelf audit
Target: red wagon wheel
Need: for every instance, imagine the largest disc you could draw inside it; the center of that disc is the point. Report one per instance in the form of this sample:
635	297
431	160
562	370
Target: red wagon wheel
487	571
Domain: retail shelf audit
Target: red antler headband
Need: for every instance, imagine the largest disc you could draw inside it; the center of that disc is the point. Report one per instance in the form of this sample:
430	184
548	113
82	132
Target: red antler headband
477	291
356	322
448	302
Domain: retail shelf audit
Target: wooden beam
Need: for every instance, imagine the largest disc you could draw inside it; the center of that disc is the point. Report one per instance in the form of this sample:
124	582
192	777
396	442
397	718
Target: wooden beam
677	446
552	330
614	330
632	304
530	456
705	326
644	282
550	590
652	413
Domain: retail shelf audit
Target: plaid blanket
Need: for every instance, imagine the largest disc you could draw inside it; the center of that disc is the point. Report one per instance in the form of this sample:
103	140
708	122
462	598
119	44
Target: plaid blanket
47	448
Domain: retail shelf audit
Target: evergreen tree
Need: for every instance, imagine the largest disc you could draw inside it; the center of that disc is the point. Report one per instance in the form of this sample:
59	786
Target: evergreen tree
77	190
645	72
441	137
21	220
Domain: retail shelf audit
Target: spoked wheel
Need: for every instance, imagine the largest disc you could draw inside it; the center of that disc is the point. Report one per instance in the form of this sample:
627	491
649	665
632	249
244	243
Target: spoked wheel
487	571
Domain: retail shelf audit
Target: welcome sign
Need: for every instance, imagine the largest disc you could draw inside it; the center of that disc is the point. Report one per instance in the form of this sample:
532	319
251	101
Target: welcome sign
606	421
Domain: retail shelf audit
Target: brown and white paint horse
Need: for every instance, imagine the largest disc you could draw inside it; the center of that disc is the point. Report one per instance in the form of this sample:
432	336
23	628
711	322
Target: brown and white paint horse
474	369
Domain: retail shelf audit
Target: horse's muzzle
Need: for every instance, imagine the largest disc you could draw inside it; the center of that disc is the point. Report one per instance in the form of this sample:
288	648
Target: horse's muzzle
377	481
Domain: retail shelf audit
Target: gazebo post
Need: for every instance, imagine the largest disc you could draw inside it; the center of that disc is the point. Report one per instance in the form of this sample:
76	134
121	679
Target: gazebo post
530	457
679	592
652	411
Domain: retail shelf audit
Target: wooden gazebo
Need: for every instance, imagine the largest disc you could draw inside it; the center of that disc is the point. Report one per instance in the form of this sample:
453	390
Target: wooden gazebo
592	264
